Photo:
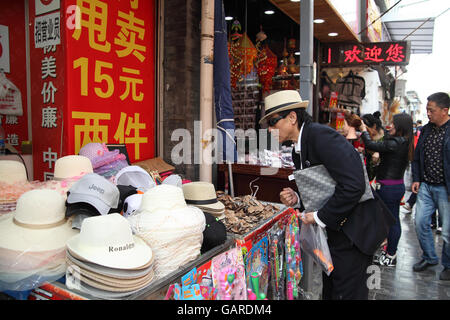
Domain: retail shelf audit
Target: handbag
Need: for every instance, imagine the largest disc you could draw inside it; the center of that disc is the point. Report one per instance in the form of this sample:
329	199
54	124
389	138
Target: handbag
316	186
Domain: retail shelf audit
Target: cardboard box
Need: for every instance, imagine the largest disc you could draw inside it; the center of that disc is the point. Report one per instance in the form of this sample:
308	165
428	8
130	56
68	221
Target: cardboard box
155	164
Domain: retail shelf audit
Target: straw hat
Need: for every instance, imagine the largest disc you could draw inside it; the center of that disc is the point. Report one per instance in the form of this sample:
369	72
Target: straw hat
72	166
281	101
108	241
38	224
12	171
108	272
202	195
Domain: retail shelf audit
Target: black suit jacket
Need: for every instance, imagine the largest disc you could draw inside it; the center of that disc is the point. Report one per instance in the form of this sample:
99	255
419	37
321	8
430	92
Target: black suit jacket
366	224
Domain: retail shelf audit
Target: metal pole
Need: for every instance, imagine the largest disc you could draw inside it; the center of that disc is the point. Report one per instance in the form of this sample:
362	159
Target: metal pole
206	88
306	51
306	92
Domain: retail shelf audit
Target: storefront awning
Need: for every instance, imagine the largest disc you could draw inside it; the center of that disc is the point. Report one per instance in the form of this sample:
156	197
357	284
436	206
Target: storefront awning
418	31
323	9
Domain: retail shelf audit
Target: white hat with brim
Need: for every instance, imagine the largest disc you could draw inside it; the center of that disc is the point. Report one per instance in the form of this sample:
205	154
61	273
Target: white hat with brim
105	271
108	241
72	166
111	284
12	171
37	224
281	101
202	195
83	287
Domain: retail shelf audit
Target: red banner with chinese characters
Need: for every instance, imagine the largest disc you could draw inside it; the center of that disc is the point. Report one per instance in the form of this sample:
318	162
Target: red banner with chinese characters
48	85
352	54
13	65
110	72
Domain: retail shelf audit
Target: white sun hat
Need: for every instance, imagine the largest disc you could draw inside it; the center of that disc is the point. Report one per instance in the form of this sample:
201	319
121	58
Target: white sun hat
172	229
72	166
12	171
107	240
203	195
134	176
37	224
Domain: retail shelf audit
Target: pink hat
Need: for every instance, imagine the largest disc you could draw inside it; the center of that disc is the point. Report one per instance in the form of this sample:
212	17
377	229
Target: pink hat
99	154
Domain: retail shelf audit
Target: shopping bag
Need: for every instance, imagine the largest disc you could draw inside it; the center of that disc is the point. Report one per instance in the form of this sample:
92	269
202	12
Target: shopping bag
316	186
314	242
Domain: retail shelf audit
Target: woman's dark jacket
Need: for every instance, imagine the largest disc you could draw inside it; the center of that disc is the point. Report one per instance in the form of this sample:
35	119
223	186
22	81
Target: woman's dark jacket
393	155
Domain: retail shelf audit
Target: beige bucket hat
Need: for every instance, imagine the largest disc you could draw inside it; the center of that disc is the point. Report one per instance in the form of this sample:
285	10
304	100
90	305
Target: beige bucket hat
12	171
202	195
72	166
37	224
281	101
107	240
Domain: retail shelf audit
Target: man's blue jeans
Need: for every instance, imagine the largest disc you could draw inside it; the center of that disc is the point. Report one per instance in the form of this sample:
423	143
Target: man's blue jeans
429	199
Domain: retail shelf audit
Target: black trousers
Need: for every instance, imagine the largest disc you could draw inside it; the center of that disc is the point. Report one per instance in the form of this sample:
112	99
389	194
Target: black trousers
348	281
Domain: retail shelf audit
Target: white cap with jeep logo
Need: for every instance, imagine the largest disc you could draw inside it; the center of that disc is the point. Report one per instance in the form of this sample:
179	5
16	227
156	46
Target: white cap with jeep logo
96	191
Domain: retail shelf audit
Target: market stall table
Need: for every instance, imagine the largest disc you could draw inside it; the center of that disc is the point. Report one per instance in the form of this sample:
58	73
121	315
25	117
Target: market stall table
269	185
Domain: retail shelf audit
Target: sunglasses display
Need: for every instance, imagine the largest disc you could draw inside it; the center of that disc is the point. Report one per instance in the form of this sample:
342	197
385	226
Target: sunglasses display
245	99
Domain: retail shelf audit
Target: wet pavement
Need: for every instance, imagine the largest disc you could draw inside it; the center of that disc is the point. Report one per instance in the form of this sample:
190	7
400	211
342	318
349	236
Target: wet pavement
401	282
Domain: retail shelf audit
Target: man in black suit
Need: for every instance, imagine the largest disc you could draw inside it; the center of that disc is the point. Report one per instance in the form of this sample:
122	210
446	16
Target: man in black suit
354	230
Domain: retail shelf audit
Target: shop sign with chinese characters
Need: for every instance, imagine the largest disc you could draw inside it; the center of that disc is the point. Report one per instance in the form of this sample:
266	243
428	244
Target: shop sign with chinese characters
352	54
110	64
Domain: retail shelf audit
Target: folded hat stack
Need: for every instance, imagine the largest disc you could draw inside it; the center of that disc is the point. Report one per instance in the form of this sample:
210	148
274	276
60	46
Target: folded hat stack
203	196
104	162
173	230
106	261
13	183
33	241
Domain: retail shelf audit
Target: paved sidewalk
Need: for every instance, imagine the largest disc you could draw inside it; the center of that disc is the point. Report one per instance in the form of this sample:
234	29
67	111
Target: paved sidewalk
401	282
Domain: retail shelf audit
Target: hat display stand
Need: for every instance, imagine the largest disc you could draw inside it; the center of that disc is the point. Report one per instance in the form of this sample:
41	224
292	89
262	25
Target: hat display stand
107	259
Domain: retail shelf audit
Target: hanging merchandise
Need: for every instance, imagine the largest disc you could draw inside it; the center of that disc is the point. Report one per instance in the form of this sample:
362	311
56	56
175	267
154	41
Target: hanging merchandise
242	54
228	273
257	269
276	262
233	52
293	258
265	62
10	97
340	117
351	90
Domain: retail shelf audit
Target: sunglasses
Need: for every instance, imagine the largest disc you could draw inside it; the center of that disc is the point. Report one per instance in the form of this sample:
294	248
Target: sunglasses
273	121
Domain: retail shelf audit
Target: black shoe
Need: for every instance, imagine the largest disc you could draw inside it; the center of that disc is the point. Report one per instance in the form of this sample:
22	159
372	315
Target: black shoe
445	274
422	265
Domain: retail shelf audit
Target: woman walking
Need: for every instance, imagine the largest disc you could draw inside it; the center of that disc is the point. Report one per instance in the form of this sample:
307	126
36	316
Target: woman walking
396	150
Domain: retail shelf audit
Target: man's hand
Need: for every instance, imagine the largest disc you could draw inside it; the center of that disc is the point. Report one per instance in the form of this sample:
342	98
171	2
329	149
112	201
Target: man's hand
307	218
288	197
415	187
